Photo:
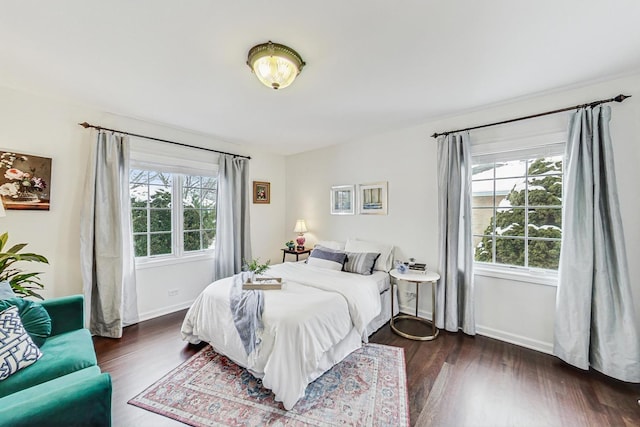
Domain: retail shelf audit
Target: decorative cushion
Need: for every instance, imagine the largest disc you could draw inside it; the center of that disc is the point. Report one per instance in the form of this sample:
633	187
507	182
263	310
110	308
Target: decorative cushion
361	262
17	350
384	261
34	316
5	290
330	259
331	244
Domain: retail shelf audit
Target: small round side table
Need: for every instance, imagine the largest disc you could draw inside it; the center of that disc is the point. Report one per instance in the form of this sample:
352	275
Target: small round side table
418	278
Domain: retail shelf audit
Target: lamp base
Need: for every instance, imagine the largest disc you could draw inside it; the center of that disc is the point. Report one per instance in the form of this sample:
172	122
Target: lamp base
300	248
300	241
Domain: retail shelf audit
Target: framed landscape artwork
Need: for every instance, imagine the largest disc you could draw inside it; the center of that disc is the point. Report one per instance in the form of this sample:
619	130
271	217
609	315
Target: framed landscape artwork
261	192
25	181
373	199
343	200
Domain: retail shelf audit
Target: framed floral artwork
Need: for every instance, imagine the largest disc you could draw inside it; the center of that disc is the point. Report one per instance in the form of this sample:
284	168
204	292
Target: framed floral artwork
261	192
25	181
343	199
372	199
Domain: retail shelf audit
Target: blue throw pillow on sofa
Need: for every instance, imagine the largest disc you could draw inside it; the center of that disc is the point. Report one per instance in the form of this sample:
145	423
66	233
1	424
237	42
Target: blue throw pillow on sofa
6	291
34	316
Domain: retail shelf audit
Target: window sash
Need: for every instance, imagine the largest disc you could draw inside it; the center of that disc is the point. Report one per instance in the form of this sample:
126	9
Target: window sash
177	208
494	207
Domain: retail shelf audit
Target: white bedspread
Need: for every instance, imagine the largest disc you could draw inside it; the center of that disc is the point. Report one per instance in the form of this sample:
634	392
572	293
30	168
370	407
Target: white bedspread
314	312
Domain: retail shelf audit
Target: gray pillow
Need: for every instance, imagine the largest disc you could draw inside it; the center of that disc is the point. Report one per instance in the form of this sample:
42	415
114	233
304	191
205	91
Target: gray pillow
330	259
5	290
361	262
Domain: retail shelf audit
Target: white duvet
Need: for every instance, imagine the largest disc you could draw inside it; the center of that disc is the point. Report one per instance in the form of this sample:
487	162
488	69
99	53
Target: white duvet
316	319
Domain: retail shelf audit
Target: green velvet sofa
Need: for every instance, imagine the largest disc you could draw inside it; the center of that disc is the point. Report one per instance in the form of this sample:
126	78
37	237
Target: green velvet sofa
65	387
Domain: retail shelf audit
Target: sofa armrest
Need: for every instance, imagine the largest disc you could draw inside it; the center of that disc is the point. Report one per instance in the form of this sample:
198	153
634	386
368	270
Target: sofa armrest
82	398
67	313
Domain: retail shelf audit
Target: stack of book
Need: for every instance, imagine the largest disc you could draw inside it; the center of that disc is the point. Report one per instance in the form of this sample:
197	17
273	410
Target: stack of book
418	267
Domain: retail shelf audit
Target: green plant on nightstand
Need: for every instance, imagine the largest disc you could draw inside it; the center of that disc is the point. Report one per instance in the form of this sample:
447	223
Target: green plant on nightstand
255	267
22	284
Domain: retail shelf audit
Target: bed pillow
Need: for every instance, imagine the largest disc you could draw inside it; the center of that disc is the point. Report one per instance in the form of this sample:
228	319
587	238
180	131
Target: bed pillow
34	318
330	259
331	244
385	260
6	291
17	350
361	262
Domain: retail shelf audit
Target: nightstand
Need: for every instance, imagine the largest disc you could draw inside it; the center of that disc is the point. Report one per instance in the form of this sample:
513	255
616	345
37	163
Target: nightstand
418	278
295	252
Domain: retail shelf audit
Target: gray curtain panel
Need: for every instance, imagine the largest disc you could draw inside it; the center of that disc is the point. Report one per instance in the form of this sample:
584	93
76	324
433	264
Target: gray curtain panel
233	240
595	323
454	297
106	242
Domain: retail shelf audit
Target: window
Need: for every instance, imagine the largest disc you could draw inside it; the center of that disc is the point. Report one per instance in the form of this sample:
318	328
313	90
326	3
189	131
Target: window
172	213
517	211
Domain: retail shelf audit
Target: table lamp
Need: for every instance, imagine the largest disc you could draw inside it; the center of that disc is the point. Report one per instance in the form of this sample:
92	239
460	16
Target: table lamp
300	228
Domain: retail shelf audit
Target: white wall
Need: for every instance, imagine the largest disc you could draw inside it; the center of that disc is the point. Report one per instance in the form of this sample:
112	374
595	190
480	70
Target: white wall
514	311
48	127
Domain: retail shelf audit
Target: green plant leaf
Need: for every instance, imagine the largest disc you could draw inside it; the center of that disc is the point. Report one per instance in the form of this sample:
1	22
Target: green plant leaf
16	248
23	284
3	240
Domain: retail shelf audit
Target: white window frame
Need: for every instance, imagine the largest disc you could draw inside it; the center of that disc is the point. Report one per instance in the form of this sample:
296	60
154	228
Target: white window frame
542	145
177	161
178	254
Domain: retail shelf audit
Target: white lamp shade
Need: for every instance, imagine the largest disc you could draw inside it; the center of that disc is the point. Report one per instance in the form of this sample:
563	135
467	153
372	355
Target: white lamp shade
275	72
300	227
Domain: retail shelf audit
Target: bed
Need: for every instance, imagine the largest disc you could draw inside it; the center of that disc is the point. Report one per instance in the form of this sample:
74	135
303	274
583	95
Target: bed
318	318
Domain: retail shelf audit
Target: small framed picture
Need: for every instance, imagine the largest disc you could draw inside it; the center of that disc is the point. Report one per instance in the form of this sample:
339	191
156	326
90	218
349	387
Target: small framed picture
261	192
373	199
343	199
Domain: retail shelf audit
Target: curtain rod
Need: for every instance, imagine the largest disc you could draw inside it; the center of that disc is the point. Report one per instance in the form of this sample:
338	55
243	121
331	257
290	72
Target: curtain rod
87	125
618	98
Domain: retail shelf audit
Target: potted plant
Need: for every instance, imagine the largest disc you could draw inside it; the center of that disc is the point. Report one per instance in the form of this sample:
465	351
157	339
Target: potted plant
22	284
256	267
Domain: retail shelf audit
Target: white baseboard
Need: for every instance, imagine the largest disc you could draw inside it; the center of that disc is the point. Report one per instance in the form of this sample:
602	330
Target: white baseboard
522	341
164	310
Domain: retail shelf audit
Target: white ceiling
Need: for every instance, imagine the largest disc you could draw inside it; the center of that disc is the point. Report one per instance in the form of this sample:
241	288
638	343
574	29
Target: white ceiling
372	65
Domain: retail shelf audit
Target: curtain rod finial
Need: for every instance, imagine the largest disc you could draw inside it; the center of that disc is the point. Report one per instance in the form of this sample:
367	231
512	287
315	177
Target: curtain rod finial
621	97
84	124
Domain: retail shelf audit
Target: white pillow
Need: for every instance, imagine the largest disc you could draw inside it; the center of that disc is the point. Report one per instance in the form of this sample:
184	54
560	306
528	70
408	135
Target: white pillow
331	244
384	261
17	350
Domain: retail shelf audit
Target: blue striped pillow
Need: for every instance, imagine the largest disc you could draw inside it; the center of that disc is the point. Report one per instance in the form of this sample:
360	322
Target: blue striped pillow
330	259
361	262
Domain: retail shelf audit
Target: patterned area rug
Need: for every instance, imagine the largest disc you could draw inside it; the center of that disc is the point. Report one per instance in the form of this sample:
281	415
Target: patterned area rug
368	388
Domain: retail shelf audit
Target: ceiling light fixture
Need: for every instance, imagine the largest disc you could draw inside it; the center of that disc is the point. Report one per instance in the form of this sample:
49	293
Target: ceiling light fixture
275	65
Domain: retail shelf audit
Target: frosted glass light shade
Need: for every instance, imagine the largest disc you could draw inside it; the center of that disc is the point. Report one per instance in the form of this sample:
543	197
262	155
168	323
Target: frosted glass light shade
275	65
300	227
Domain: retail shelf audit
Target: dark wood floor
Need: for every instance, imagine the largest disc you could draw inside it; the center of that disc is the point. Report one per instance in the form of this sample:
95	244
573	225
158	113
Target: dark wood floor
455	380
